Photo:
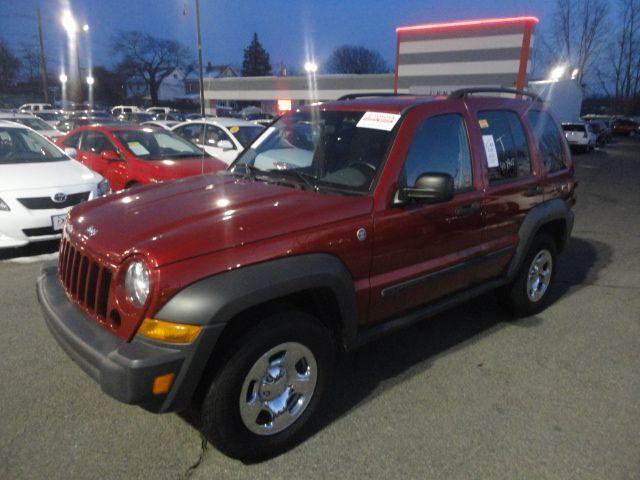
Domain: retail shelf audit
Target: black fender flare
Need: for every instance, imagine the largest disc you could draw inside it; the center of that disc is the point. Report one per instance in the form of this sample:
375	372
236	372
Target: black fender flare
218	298
536	218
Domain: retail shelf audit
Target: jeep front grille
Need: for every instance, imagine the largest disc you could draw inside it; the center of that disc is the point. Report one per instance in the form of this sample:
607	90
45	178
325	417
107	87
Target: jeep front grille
86	281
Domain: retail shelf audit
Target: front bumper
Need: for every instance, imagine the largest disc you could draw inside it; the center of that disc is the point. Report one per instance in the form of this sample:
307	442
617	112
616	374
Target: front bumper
124	370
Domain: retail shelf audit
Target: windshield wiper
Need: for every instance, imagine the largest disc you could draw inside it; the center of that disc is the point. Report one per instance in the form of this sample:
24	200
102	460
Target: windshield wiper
306	178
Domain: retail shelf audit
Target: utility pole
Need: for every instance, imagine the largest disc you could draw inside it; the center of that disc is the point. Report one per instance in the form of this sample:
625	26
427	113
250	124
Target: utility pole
200	58
43	61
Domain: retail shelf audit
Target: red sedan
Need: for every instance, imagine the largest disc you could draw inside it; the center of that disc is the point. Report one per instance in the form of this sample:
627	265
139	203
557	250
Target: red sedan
131	155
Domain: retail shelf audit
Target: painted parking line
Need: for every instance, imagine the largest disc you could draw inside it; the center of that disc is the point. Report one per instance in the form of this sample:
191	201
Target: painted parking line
33	259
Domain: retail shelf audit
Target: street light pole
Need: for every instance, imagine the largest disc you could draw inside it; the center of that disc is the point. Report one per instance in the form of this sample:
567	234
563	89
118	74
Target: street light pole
200	58
43	61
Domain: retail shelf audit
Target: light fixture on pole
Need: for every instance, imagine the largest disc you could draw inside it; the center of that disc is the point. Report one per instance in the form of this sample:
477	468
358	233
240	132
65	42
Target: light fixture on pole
90	80
310	67
69	23
63	78
557	73
85	28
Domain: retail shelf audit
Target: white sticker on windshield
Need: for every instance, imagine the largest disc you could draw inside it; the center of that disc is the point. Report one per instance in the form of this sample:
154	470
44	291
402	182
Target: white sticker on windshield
378	121
490	150
137	148
266	134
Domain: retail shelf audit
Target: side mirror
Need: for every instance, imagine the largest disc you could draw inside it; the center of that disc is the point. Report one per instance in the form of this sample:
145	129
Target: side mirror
70	152
225	145
110	156
429	188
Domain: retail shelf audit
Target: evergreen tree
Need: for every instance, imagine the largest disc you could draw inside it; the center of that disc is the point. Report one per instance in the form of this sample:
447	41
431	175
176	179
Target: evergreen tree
256	60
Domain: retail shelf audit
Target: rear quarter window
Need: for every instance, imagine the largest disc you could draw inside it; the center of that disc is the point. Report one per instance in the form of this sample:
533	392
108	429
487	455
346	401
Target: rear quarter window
548	140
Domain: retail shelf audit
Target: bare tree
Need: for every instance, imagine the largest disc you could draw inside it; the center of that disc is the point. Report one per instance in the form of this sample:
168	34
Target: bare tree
149	59
354	59
577	34
9	67
30	62
624	53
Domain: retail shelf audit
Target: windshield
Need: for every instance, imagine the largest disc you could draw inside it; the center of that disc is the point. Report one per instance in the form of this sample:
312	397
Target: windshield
19	145
331	149
246	135
33	122
49	116
151	144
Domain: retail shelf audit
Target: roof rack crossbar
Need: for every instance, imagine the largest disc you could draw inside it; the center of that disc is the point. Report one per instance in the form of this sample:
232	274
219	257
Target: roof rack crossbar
353	96
464	92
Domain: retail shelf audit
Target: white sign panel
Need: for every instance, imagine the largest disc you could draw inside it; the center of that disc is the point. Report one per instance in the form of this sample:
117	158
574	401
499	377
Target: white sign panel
490	150
379	121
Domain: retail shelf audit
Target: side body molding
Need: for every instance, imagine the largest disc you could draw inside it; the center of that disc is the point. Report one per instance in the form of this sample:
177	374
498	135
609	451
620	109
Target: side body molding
217	299
539	215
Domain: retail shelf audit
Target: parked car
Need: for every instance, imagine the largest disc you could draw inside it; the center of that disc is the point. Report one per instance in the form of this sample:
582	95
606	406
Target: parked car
264	119
626	127
164	124
238	290
35	107
600	130
38	186
135	117
52	117
580	135
31	121
122	109
224	138
76	121
171	116
131	155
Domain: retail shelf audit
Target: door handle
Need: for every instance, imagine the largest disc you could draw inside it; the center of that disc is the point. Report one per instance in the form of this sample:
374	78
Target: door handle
533	191
466	210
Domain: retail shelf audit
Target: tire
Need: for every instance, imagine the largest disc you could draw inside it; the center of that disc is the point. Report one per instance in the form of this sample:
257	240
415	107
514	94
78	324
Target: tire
515	296
235	412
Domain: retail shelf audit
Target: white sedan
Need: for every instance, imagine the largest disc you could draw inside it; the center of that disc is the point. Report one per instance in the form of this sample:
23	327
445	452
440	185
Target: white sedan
221	137
38	186
28	120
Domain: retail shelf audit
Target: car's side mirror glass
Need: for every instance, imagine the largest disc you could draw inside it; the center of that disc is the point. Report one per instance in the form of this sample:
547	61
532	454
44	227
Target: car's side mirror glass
70	152
429	188
225	145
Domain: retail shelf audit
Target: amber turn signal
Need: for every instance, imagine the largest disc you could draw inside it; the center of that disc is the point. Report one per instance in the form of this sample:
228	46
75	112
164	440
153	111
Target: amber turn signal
162	383
168	331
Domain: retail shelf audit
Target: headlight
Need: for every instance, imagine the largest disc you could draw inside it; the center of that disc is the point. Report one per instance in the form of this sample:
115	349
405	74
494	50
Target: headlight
136	283
104	188
4	207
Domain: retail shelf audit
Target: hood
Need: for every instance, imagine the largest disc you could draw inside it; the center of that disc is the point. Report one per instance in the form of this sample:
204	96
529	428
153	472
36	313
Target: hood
199	215
30	176
184	167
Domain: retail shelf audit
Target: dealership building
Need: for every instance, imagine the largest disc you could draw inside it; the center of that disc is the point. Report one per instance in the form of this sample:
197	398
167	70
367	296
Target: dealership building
431	59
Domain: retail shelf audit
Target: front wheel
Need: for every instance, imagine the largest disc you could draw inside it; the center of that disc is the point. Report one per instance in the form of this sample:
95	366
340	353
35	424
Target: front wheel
528	294
269	386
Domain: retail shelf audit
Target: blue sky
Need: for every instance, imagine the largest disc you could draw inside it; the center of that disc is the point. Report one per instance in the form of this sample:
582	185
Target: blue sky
287	29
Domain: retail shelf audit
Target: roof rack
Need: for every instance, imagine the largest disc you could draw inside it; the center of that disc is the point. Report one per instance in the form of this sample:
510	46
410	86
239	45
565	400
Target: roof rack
353	96
464	92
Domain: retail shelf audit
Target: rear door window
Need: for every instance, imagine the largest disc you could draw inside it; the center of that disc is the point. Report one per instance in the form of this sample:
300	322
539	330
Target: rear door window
440	145
506	145
191	132
73	141
96	142
548	139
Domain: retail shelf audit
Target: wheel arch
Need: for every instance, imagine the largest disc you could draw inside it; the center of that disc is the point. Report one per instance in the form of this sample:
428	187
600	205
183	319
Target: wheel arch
553	217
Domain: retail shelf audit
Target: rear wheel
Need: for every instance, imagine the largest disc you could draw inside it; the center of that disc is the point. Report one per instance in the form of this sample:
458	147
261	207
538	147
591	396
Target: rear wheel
269	386
528	294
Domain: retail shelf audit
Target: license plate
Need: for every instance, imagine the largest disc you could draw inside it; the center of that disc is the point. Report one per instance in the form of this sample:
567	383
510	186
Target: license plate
58	221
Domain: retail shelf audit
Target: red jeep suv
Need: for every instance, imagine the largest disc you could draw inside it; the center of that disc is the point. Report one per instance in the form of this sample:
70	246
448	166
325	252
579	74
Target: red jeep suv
340	222
129	155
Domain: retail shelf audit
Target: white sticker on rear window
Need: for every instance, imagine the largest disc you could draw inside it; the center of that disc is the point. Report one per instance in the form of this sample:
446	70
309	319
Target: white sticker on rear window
490	150
379	121
137	148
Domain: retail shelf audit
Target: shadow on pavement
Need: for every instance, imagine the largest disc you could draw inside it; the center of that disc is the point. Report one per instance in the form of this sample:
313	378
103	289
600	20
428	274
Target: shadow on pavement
363	374
31	250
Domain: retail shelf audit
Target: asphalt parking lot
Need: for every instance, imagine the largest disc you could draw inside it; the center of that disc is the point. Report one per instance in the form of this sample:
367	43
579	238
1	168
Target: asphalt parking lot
468	394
